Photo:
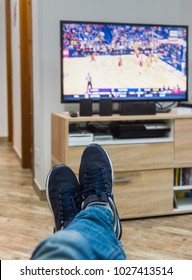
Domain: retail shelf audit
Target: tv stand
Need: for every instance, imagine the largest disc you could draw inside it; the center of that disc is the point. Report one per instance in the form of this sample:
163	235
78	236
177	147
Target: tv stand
147	171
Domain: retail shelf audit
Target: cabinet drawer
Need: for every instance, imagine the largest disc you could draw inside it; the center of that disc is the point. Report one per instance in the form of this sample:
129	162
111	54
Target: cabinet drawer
130	157
144	193
141	156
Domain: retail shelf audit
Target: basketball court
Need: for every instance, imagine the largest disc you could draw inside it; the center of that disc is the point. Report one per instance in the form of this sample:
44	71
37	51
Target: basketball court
106	73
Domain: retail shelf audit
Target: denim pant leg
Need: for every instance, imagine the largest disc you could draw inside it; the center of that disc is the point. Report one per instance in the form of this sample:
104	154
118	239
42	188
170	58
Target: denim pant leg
89	236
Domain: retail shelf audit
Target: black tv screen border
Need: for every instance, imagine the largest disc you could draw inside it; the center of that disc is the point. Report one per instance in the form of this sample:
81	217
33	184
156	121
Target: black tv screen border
76	97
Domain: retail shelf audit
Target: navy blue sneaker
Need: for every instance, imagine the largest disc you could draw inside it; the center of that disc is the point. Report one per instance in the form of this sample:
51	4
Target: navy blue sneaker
62	189
96	181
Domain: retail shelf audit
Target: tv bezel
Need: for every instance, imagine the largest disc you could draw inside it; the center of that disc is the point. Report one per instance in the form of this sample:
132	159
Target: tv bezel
64	101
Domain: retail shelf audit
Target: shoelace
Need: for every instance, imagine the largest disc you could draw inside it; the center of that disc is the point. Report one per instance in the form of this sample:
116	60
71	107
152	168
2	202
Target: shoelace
94	182
67	206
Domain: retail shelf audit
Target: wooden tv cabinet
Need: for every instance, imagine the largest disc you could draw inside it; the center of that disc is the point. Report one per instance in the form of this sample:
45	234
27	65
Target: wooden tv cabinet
145	169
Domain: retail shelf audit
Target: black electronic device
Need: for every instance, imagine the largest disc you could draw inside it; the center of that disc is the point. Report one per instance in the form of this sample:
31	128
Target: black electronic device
123	62
140	129
73	114
105	107
184	104
86	107
137	108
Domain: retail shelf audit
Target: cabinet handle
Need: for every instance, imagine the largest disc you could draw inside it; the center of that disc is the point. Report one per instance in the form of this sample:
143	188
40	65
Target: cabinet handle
123	180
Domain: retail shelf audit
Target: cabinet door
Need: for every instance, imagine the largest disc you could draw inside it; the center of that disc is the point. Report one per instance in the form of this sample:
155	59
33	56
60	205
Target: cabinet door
74	157
144	193
183	140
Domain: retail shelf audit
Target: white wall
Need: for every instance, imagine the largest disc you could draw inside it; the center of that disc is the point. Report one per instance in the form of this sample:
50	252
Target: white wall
46	17
3	83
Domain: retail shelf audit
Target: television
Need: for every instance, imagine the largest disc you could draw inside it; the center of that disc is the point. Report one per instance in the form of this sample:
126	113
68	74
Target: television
123	61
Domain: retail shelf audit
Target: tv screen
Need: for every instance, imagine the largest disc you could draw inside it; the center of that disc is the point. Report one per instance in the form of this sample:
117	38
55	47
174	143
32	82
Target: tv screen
123	62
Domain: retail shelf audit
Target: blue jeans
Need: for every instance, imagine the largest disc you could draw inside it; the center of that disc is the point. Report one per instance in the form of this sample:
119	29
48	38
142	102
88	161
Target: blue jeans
89	236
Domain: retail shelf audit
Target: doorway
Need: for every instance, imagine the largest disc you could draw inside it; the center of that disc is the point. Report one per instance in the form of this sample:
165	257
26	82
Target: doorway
25	17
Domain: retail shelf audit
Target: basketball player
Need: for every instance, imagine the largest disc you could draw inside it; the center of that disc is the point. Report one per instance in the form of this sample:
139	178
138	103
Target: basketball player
156	58
148	63
89	81
120	61
93	56
140	63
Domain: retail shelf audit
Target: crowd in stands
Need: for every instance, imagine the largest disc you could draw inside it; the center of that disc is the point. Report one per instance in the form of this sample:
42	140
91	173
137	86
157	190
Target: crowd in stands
84	39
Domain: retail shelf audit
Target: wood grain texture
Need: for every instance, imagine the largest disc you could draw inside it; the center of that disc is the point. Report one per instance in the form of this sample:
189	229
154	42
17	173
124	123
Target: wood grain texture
145	193
183	140
165	238
25	220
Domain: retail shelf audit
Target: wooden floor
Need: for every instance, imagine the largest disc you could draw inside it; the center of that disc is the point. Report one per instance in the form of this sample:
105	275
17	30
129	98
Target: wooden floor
25	220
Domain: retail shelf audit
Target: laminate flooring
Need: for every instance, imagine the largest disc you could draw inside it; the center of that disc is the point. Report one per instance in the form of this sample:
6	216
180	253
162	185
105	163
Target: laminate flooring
25	221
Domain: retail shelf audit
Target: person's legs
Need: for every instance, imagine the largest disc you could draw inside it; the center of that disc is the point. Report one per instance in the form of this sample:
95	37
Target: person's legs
95	223
93	233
